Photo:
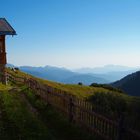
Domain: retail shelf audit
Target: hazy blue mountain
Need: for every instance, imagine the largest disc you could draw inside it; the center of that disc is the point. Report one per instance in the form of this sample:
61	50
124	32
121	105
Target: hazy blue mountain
129	84
85	79
105	69
61	75
48	72
114	76
66	76
111	73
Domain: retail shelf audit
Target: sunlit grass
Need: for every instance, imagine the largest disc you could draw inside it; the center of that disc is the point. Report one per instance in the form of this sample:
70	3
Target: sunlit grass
4	87
77	90
23	120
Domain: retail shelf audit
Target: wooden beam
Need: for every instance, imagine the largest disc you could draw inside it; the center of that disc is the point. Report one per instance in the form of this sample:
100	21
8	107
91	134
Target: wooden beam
3	60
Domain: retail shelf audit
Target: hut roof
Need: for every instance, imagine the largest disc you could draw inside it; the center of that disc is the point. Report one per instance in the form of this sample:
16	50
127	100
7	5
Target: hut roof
6	28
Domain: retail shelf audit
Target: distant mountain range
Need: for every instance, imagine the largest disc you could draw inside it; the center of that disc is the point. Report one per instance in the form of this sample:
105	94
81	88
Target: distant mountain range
111	73
129	84
105	69
61	75
64	75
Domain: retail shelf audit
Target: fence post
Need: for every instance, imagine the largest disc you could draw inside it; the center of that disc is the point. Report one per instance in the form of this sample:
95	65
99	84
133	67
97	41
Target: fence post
121	127
71	110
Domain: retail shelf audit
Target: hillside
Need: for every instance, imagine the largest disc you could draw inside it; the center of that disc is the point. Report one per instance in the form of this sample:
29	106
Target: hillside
129	84
101	75
77	90
28	111
25	116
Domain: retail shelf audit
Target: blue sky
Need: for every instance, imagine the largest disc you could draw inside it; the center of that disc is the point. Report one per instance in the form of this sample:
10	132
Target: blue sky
73	33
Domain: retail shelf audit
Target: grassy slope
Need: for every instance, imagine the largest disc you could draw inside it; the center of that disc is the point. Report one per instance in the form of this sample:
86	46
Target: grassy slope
110	101
77	90
95	94
57	123
23	124
18	120
87	92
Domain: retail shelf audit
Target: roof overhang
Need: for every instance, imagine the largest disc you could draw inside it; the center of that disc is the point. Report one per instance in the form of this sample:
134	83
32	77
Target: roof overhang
6	28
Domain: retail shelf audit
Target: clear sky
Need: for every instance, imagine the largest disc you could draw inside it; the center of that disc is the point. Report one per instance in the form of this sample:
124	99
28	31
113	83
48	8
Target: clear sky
73	33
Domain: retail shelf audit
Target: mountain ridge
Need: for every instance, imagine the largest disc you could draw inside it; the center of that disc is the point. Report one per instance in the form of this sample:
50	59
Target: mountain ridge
105	69
64	75
129	84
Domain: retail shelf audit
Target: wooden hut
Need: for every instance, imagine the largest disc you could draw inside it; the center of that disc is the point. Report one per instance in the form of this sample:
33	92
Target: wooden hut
5	29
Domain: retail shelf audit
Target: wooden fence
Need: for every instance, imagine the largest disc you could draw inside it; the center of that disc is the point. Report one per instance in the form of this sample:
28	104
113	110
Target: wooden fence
79	111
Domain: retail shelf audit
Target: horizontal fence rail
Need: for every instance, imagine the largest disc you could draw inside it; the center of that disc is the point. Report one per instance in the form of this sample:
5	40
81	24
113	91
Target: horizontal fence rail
79	111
